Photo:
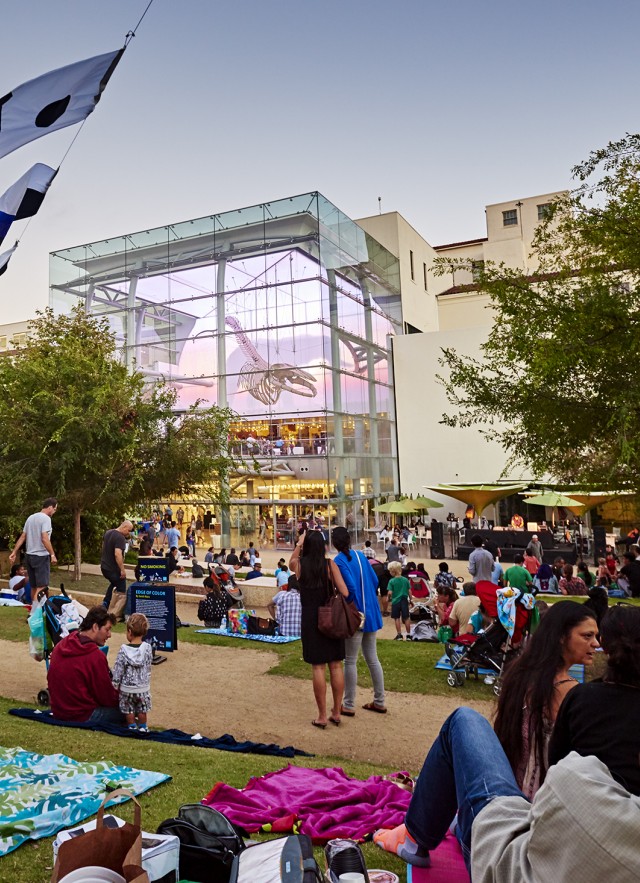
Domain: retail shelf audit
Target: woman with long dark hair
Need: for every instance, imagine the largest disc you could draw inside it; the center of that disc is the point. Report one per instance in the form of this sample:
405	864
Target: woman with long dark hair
316	573
535	685
603	717
362	583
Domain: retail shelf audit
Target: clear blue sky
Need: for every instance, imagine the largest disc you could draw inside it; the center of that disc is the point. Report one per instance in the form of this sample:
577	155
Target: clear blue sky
438	107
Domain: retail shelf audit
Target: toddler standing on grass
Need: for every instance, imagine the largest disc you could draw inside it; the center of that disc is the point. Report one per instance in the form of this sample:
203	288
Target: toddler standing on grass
400	589
132	674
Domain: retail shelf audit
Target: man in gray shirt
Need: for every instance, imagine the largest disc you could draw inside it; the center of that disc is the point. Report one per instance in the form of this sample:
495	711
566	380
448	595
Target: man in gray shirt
39	552
480	561
393	551
535	548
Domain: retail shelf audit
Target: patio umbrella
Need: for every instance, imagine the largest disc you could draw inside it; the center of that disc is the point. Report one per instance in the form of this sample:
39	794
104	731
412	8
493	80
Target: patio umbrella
477	495
553	499
421	502
398	507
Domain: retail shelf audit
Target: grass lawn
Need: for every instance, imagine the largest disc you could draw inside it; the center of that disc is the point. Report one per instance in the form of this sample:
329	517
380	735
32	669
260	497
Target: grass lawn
194	771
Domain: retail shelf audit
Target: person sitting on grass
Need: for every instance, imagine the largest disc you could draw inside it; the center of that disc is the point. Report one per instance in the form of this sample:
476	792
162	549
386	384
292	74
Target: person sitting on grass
570	584
132	674
79	679
400	589
19	583
517	576
582	824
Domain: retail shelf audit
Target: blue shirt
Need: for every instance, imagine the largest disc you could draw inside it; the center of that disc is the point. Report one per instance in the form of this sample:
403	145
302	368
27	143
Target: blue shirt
350	571
173	537
497	573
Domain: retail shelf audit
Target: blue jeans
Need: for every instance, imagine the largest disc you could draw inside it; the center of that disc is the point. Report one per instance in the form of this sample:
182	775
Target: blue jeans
464	770
103	715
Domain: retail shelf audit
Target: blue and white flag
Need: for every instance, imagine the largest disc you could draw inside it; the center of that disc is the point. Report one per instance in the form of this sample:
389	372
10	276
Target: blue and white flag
57	99
5	257
24	198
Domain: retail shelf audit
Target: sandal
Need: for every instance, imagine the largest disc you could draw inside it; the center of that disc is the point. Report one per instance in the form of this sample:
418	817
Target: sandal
347	712
335	721
371	706
319	725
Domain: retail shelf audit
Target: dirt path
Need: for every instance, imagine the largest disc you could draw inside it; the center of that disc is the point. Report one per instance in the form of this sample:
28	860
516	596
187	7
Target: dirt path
215	690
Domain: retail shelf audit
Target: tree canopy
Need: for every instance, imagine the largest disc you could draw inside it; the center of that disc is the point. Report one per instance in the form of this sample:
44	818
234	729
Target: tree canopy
79	426
560	368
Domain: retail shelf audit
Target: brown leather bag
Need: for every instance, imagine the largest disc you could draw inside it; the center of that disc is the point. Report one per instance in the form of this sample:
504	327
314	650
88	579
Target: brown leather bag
338	618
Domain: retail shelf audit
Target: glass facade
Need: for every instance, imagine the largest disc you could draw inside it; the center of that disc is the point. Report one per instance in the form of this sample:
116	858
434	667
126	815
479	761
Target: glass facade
282	311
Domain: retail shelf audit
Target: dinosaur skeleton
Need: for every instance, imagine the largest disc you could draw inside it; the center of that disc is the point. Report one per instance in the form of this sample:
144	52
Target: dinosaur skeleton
265	382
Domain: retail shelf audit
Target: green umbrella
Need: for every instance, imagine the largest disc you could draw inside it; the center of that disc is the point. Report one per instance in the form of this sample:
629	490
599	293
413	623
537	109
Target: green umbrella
554	499
398	507
421	502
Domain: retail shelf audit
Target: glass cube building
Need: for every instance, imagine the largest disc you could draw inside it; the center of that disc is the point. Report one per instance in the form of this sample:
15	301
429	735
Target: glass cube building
283	312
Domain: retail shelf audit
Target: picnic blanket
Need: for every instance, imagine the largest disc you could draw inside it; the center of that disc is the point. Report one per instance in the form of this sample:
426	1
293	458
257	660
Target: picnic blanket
174	737
576	671
447	865
444	664
269	639
40	794
323	803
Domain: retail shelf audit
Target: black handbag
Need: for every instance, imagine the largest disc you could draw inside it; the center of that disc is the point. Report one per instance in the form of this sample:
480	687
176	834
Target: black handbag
259	625
208	843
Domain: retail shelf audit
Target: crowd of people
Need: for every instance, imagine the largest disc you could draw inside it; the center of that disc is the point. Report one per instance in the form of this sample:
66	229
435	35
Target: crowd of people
554	744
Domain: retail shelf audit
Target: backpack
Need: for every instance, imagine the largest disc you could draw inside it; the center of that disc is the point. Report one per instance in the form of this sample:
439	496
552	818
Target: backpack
208	843
425	631
286	859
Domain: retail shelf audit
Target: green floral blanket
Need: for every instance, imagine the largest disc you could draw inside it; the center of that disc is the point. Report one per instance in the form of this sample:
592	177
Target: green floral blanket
42	793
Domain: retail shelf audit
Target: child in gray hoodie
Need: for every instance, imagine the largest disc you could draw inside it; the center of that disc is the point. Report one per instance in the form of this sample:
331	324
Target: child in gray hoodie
132	674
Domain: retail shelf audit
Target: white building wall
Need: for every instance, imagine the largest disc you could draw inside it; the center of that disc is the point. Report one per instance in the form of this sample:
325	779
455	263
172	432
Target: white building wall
419	305
429	452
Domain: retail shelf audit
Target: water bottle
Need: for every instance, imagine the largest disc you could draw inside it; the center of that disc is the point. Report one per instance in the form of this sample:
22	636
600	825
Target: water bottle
223	623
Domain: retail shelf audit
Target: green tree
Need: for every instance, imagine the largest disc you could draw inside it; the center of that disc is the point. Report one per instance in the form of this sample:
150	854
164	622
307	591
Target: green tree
79	426
560	368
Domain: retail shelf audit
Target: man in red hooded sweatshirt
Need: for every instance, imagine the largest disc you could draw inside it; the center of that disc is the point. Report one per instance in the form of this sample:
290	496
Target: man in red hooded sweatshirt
79	679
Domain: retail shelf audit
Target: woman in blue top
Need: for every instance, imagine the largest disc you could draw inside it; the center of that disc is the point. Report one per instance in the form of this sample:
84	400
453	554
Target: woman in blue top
362	583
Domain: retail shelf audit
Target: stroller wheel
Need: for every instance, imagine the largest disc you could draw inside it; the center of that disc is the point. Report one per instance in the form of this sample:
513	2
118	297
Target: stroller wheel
460	676
452	680
43	698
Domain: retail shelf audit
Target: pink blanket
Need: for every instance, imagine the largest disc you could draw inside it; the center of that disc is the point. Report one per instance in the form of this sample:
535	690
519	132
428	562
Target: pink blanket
322	803
447	865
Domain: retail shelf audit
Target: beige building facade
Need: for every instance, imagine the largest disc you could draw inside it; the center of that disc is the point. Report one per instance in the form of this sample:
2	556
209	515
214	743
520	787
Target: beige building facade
448	311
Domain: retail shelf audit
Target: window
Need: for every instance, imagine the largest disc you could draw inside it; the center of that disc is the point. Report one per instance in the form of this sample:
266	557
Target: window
543	211
19	339
424	273
476	269
413	275
510	217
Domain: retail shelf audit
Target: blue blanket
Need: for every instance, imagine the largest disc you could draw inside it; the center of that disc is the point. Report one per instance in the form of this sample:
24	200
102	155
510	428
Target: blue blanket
41	794
269	639
174	737
576	671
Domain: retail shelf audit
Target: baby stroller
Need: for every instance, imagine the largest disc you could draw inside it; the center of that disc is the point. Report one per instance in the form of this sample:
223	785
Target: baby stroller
469	653
52	618
490	649
233	592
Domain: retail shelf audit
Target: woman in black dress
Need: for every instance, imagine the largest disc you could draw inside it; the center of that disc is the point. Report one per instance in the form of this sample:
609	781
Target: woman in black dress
310	564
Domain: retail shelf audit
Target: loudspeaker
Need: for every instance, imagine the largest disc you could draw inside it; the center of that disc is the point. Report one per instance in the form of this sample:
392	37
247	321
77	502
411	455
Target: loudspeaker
599	543
437	540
